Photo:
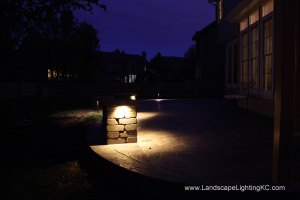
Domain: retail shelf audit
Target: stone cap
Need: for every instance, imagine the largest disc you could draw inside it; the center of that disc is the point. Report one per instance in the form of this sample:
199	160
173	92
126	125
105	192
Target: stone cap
121	102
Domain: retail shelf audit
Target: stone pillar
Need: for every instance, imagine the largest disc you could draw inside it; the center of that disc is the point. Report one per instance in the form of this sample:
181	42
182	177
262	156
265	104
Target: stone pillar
120	121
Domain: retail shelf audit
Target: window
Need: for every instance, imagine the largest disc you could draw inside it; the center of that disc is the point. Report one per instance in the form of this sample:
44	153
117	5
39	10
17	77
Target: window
49	73
244	71
256	49
244	24
254	58
220	9
125	79
54	73
267	8
254	17
132	78
129	79
231	64
267	56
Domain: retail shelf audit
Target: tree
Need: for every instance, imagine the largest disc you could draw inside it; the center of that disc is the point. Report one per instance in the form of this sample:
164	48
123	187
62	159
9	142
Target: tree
43	32
190	55
20	17
72	48
156	62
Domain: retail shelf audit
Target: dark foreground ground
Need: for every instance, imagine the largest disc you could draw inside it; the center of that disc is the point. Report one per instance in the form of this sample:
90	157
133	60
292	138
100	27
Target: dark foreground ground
49	158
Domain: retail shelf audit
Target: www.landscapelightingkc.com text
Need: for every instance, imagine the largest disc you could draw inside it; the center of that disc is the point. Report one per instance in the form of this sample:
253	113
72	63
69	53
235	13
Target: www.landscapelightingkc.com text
241	188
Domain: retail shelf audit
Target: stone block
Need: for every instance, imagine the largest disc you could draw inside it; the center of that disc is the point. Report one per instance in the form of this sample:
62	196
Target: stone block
130	127
114	134
113	128
131	140
112	115
126	134
127	121
116	141
130	114
111	108
112	122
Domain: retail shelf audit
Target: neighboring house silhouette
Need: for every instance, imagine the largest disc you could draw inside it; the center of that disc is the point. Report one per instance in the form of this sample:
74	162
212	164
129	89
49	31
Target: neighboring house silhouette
209	55
122	67
175	68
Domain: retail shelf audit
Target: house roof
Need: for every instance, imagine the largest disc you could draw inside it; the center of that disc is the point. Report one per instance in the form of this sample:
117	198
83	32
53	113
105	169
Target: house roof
112	57
198	34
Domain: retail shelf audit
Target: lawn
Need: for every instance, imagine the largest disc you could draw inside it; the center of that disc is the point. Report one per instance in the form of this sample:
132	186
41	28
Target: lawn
48	158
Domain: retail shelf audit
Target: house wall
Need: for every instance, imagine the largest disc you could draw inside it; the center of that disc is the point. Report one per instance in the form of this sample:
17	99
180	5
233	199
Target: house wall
259	105
210	57
227	30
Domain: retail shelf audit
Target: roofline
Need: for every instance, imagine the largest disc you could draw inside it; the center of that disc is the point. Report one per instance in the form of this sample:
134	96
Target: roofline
204	29
244	7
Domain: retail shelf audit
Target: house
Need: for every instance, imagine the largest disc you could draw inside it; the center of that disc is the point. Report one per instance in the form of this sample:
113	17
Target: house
263	44
209	55
172	68
121	67
268	47
176	68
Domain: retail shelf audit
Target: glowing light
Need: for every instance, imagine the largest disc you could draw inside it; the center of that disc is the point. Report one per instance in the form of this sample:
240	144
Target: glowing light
122	111
132	97
158	95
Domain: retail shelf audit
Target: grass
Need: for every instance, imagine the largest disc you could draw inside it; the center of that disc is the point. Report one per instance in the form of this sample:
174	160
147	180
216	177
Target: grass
49	159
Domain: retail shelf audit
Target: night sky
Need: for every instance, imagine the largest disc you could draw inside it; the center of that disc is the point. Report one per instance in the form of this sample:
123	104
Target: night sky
164	26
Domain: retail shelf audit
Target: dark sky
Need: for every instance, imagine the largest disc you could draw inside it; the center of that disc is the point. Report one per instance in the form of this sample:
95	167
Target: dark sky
164	26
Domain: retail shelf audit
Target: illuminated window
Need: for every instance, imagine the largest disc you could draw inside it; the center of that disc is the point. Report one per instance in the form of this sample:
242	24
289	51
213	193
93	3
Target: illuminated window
125	79
267	56
254	58
245	58
220	9
267	8
254	17
130	78
145	68
244	24
54	73
49	73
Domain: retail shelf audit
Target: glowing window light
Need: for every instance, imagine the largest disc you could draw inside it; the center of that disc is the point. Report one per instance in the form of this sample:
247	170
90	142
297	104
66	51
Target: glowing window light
122	111
254	17
244	24
267	8
132	97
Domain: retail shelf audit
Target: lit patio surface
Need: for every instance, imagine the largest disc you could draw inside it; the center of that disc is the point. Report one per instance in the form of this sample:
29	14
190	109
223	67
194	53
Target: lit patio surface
197	142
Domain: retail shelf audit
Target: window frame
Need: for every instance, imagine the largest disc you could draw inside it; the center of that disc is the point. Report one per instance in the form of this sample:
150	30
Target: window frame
231	45
244	31
262	20
251	27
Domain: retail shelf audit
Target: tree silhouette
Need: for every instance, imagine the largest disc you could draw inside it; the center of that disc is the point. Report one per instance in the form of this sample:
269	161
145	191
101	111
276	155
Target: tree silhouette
44	32
190	55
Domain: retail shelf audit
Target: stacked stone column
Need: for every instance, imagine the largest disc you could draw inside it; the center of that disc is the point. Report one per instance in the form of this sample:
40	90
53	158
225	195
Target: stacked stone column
120	122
